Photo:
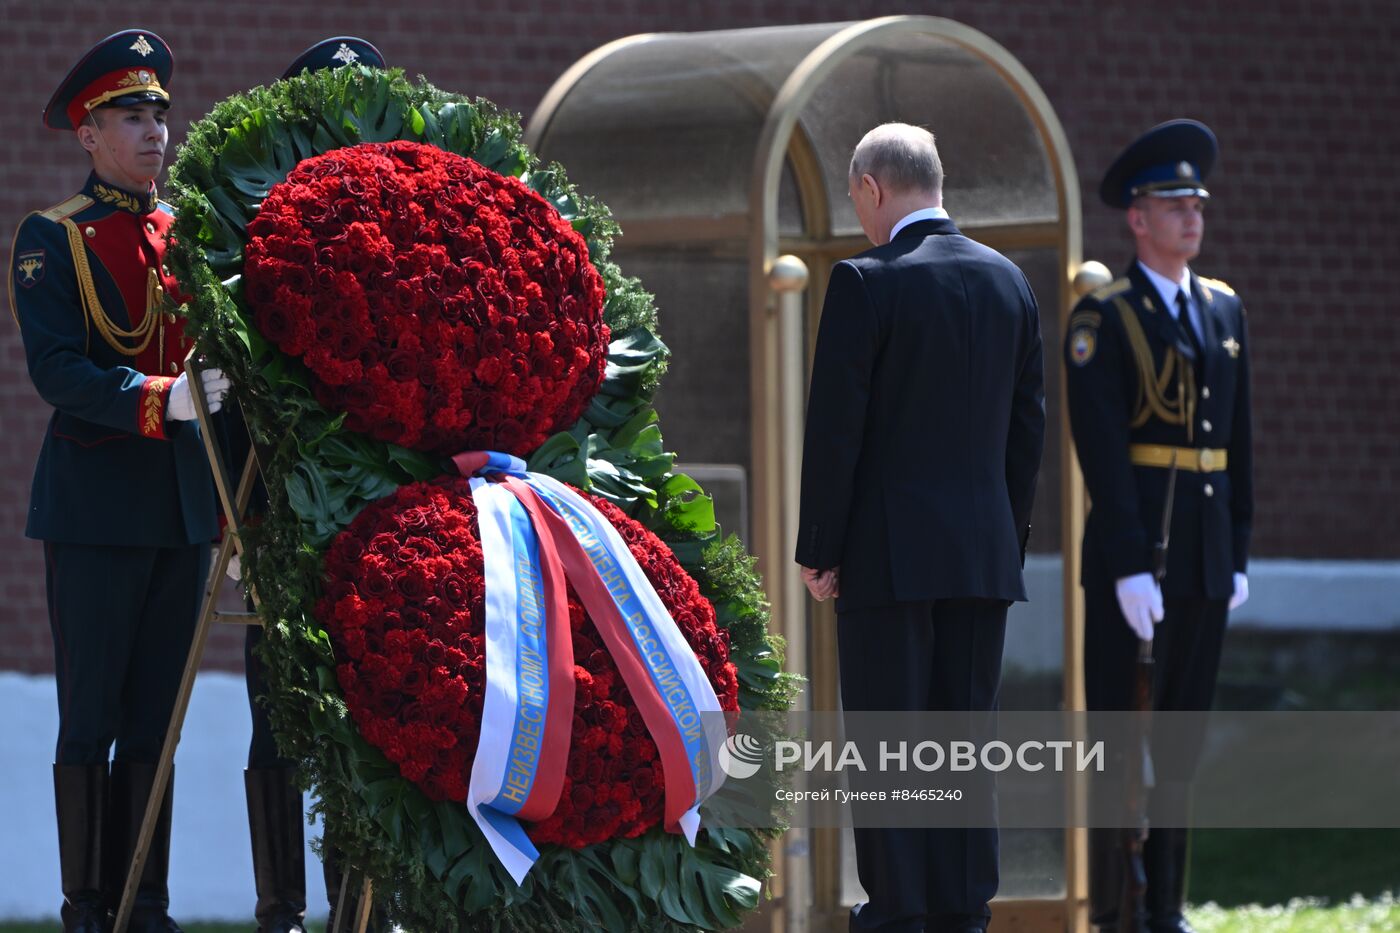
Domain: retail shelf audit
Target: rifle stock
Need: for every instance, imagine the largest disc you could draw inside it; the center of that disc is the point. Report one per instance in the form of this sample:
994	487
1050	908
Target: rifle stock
1132	904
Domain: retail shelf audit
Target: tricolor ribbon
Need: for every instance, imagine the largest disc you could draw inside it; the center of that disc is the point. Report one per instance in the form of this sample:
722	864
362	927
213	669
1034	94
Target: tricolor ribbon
536	533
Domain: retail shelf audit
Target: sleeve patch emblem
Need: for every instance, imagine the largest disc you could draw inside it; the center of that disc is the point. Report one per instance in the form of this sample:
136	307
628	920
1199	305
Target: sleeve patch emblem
29	268
1082	344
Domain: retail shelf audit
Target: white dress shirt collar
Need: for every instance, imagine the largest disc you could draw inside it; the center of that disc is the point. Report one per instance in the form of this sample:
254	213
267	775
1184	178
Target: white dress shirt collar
927	213
1166	288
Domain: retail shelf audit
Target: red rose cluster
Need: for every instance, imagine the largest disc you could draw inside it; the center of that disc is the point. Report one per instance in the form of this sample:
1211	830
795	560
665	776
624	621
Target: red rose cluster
404	605
442	306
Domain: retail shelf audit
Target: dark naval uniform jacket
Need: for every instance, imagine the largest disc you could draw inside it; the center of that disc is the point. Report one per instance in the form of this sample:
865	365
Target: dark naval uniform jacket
1140	395
93	300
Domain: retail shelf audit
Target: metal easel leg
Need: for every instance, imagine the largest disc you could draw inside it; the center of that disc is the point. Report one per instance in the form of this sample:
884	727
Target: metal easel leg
234	508
343	922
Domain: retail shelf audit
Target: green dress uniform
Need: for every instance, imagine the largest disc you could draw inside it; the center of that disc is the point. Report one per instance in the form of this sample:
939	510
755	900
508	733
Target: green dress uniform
122	498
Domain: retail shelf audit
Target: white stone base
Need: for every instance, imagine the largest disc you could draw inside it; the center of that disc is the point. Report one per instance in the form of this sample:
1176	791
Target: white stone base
1290	595
211	865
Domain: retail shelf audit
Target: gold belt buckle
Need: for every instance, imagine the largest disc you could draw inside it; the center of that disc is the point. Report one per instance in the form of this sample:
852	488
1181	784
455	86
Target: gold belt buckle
1207	460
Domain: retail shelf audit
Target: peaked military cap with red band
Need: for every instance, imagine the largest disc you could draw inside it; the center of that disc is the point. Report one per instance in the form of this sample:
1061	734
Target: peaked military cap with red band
1171	160
128	68
335	52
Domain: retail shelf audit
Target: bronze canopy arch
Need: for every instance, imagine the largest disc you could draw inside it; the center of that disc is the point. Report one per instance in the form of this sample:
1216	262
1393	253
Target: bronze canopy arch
723	156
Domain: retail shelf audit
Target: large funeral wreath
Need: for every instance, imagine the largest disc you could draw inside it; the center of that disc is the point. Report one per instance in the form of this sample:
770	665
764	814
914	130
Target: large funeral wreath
390	277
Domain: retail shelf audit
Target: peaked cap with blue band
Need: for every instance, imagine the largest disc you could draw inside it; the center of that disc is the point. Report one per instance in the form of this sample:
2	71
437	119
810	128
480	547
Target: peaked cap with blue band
127	68
335	52
1171	160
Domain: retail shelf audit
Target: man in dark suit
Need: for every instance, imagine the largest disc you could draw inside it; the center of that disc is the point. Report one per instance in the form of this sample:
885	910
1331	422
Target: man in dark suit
122	496
925	426
1157	369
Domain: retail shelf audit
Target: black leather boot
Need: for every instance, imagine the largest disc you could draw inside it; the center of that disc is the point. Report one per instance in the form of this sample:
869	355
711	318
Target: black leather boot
279	860
80	799
1165	858
131	788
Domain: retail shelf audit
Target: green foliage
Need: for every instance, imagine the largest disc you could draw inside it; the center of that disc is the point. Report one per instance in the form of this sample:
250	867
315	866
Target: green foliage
431	855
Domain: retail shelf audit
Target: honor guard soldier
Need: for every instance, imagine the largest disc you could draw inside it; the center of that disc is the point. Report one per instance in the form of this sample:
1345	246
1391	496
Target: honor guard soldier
335	52
122	496
1157	368
275	820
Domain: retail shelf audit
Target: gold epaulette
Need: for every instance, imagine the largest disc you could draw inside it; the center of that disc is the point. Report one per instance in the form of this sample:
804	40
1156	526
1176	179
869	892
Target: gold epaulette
1217	285
68	208
1116	287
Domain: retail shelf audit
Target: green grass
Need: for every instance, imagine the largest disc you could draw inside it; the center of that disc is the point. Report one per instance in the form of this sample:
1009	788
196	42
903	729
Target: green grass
1381	915
1300	916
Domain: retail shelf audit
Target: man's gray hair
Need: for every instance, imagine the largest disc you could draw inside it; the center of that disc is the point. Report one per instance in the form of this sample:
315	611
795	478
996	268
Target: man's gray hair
900	157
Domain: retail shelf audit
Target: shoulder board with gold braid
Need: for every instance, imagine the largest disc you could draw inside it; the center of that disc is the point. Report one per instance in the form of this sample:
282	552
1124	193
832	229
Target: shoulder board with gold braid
1116	287
68	208
1216	284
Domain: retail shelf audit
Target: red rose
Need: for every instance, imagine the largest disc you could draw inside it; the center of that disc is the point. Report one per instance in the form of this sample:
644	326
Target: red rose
387	235
414	676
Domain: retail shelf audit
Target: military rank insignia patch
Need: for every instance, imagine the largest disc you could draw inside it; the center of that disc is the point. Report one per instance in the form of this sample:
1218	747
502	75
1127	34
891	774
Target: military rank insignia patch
29	268
1082	344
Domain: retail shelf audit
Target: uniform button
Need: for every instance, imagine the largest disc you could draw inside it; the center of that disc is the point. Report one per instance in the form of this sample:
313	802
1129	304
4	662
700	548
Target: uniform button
1209	490
1205	391
1205	425
174	368
91	231
150	227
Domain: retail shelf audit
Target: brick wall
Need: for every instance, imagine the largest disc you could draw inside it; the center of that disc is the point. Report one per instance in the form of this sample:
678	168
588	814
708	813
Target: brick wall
1304	97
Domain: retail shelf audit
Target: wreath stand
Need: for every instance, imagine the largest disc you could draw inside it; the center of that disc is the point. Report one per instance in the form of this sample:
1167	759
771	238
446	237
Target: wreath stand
235	506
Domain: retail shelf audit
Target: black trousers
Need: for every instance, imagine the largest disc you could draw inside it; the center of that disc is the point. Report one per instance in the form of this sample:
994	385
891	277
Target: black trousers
940	655
122	620
1186	649
262	749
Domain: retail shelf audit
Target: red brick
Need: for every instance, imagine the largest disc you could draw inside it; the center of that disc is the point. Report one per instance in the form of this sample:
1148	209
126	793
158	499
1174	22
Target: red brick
1302	95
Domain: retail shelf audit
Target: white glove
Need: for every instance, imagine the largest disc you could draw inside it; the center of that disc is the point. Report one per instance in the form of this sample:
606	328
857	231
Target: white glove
234	570
181	404
1140	598
1241	591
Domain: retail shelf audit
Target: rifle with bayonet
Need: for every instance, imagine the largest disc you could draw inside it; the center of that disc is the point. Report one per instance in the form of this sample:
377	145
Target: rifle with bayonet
1132	906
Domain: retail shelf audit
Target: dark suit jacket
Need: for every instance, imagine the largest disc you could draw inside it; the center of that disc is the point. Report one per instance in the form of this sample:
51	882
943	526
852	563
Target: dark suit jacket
1213	513
925	423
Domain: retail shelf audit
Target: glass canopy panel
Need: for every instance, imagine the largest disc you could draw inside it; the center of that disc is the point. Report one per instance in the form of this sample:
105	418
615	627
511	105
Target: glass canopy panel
665	128
998	171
